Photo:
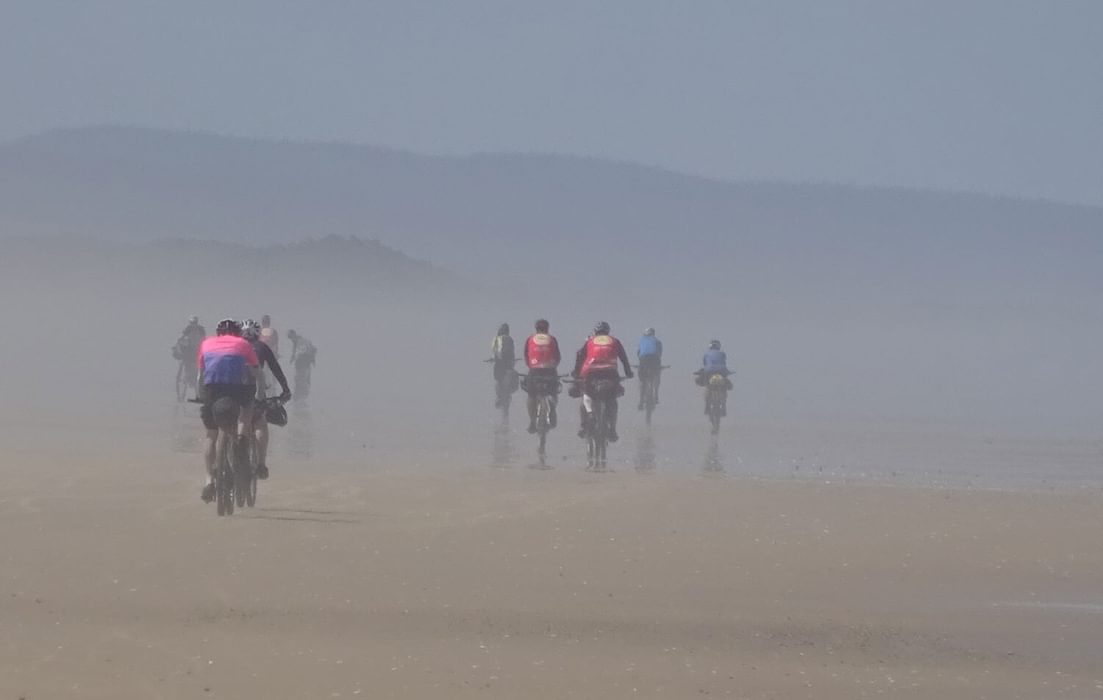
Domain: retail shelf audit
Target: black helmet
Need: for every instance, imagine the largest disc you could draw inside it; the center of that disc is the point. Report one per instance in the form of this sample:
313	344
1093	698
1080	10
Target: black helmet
503	329
602	328
714	344
228	326
542	326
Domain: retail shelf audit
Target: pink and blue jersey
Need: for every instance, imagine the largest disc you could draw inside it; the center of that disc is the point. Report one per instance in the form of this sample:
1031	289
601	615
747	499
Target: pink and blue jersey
226	359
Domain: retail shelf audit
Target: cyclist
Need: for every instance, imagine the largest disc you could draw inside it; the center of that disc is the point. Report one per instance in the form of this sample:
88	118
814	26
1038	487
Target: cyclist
187	345
303	353
503	355
266	358
227	371
193	333
269	335
650	354
597	359
714	362
542	357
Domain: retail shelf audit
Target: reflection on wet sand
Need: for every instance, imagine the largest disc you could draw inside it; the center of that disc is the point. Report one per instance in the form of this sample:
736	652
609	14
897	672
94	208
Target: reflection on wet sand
713	459
186	429
299	431
502	453
645	452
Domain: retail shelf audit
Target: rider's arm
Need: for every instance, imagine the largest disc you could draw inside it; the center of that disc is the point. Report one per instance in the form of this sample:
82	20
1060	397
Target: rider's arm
251	362
277	371
526	353
659	351
624	359
579	360
555	351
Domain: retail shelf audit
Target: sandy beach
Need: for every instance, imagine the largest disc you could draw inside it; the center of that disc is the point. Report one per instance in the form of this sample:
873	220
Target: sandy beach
517	583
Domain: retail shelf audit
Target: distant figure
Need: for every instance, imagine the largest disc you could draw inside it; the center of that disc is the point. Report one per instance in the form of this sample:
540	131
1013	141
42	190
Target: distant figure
250	331
184	351
228	371
190	338
650	354
715	361
303	354
597	360
268	334
542	357
503	355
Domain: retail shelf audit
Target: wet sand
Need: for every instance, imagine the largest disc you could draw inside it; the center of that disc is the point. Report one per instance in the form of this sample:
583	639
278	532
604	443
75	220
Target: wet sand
392	581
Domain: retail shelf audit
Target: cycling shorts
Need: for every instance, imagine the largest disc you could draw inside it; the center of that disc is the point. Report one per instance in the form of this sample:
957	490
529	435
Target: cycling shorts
238	395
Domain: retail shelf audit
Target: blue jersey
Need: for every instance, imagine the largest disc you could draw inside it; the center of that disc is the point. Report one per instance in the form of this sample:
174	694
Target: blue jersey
650	346
715	361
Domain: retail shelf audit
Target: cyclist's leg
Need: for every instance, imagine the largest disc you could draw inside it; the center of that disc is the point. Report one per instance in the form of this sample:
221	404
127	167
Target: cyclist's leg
531	404
611	407
209	454
584	416
260	424
220	415
244	397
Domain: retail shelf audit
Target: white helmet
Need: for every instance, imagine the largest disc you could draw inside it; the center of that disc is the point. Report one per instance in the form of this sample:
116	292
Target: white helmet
250	330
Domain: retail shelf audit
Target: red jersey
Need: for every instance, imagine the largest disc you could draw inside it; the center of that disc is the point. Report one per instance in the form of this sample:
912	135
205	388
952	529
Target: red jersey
602	353
542	351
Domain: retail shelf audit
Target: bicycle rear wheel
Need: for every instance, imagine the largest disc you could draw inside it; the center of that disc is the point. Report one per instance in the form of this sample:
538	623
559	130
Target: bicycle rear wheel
224	478
543	409
181	383
598	436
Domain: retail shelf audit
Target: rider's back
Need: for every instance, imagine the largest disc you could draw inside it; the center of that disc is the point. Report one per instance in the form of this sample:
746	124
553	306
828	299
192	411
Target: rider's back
715	361
502	347
649	346
542	351
226	359
602	352
271	338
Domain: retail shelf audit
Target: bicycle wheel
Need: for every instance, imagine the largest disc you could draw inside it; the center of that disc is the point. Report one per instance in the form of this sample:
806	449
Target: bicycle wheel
714	404
224	478
542	410
598	436
181	383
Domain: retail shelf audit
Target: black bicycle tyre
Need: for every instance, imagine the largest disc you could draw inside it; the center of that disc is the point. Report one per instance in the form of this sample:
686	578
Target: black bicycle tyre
224	479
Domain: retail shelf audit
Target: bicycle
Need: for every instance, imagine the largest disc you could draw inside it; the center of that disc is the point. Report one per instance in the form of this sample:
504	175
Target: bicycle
504	387
185	380
544	388
302	380
603	394
716	399
225	473
649	391
245	482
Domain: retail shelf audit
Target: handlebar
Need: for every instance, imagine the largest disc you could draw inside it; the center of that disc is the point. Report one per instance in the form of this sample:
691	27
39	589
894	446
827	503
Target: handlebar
579	379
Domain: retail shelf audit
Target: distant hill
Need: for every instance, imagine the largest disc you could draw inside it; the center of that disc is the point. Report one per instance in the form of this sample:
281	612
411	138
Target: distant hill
574	220
328	268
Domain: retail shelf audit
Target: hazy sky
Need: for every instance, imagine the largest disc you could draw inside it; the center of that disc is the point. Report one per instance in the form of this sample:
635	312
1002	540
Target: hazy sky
997	96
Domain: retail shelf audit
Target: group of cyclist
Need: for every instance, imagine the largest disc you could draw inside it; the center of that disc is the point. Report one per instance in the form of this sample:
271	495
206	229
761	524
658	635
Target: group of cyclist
231	383
595	361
